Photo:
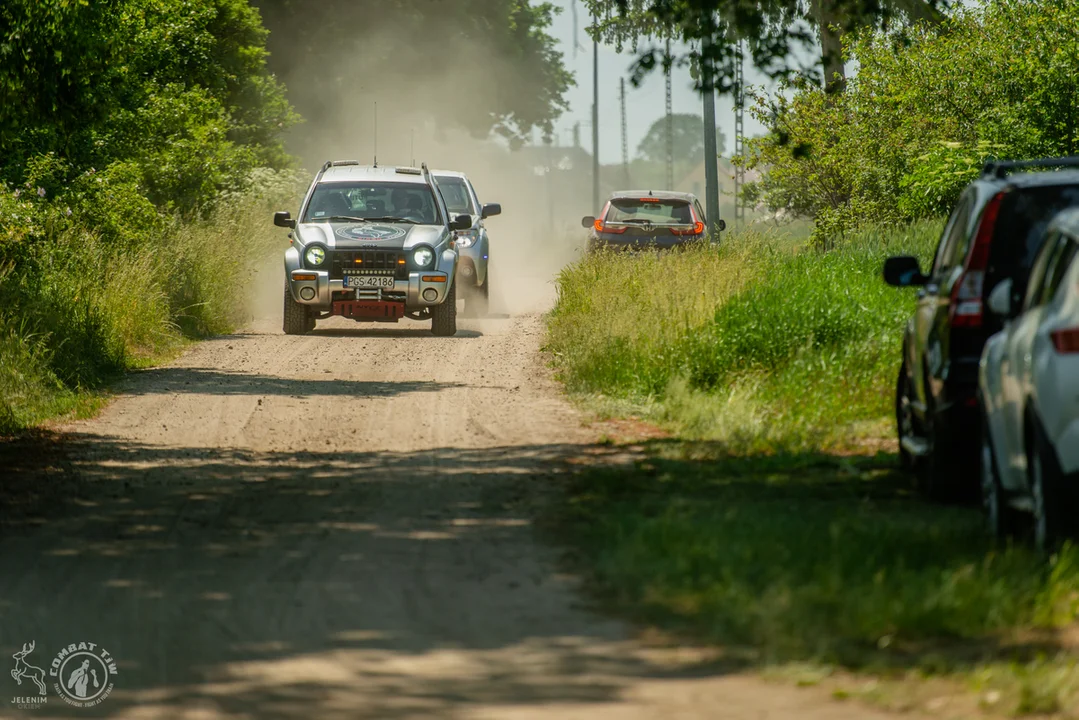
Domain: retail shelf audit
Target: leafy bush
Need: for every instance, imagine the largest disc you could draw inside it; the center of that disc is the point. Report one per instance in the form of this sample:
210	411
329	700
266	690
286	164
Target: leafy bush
918	120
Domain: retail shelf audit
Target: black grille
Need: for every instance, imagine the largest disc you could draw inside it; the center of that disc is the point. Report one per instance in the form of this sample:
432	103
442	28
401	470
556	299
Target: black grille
368	262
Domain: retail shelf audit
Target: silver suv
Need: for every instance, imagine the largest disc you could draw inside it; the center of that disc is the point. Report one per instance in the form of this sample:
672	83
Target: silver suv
474	245
374	244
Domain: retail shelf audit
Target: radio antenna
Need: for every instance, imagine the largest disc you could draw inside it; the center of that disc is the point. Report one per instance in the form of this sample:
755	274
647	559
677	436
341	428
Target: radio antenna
413	147
376	134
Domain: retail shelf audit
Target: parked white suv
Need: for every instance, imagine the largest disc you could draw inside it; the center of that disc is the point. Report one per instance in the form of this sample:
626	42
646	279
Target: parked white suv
1029	392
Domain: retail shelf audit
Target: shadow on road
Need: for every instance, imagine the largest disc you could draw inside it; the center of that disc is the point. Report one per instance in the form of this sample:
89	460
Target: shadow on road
310	584
209	381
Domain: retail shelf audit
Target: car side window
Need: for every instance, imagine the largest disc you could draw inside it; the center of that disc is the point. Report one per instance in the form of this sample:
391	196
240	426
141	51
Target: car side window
1039	273
700	212
1055	272
955	240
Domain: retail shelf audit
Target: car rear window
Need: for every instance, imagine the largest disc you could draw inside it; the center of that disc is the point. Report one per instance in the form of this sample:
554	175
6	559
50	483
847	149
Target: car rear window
1020	228
653	210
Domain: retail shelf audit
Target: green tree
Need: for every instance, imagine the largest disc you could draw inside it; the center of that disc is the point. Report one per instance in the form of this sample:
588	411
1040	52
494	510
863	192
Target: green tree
687	135
178	87
772	29
922	115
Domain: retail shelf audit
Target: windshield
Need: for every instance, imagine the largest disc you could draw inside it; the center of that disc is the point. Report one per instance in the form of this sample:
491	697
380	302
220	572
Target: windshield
653	210
340	201
455	193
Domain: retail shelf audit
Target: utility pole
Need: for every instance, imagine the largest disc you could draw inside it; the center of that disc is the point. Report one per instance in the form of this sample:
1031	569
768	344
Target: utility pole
595	116
739	138
625	146
711	168
670	118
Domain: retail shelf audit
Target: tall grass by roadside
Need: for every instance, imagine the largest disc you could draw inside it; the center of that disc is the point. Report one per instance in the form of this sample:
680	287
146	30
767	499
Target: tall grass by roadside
81	310
758	341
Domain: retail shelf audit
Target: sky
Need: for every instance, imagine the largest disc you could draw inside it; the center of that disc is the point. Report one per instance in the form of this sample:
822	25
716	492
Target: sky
644	105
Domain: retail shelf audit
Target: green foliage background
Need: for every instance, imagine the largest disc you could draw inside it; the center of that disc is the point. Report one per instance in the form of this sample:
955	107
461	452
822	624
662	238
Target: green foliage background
923	113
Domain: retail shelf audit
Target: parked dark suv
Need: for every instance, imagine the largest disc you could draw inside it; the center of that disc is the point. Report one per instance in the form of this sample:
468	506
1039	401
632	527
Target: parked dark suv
993	233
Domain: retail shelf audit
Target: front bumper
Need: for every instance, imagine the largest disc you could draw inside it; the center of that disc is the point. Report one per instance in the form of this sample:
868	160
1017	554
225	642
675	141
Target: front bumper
423	288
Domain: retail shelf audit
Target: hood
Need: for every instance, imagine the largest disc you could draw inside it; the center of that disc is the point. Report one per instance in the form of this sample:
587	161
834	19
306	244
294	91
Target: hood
369	236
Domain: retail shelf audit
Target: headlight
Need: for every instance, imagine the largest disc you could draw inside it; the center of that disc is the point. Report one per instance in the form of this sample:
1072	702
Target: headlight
423	257
468	238
315	255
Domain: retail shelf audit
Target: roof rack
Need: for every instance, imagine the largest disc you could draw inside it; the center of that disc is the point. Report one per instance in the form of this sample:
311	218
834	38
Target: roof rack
408	170
1000	168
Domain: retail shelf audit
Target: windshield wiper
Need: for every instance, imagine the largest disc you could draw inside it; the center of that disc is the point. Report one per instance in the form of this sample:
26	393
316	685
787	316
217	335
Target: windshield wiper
338	218
392	219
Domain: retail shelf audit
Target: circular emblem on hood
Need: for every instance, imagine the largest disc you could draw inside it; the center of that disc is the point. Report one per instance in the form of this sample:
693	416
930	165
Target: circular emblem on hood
371	233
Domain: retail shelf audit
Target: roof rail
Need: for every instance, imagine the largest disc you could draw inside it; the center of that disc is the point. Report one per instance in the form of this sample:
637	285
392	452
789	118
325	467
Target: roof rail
405	170
1000	168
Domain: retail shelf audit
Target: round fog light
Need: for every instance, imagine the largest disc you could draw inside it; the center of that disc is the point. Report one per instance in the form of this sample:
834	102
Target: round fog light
307	293
430	294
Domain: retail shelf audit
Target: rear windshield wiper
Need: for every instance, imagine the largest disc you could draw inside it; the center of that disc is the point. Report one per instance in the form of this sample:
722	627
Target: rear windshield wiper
634	220
392	219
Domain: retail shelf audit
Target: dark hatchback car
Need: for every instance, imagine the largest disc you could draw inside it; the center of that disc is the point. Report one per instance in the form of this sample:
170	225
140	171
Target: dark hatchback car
994	232
642	219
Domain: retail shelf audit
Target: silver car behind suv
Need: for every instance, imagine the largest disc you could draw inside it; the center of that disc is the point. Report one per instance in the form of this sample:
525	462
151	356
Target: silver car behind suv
373	244
474	245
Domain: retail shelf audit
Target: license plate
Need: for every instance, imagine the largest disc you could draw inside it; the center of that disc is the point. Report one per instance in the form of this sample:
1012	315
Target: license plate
368	281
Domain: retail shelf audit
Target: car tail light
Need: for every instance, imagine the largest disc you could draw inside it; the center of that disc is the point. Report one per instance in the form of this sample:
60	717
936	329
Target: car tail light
698	226
1066	341
966	307
605	228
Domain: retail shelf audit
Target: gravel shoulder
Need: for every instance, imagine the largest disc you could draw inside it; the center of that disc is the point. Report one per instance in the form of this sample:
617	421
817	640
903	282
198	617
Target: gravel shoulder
340	526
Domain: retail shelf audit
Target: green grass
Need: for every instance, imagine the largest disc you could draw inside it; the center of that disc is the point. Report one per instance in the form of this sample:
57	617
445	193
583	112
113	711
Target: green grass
775	522
762	343
81	311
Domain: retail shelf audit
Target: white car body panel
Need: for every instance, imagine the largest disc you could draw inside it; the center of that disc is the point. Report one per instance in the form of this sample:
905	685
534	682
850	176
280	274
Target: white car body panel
1021	372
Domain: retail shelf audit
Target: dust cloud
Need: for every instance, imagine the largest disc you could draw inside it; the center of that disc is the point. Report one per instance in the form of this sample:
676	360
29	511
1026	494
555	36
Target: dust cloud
424	108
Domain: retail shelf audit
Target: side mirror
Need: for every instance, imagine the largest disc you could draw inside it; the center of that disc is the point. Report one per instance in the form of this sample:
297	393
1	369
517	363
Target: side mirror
903	271
1000	300
284	219
722	224
588	221
490	210
461	222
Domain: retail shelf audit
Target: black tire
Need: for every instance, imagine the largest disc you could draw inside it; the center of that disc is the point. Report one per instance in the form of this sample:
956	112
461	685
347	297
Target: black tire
904	416
940	477
298	318
1053	510
444	316
1002	521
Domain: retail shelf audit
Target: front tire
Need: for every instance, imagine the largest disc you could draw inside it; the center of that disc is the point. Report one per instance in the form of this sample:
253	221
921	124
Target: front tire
444	316
298	318
904	416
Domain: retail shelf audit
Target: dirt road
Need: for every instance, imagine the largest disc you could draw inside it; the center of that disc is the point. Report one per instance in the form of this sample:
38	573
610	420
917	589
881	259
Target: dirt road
338	526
